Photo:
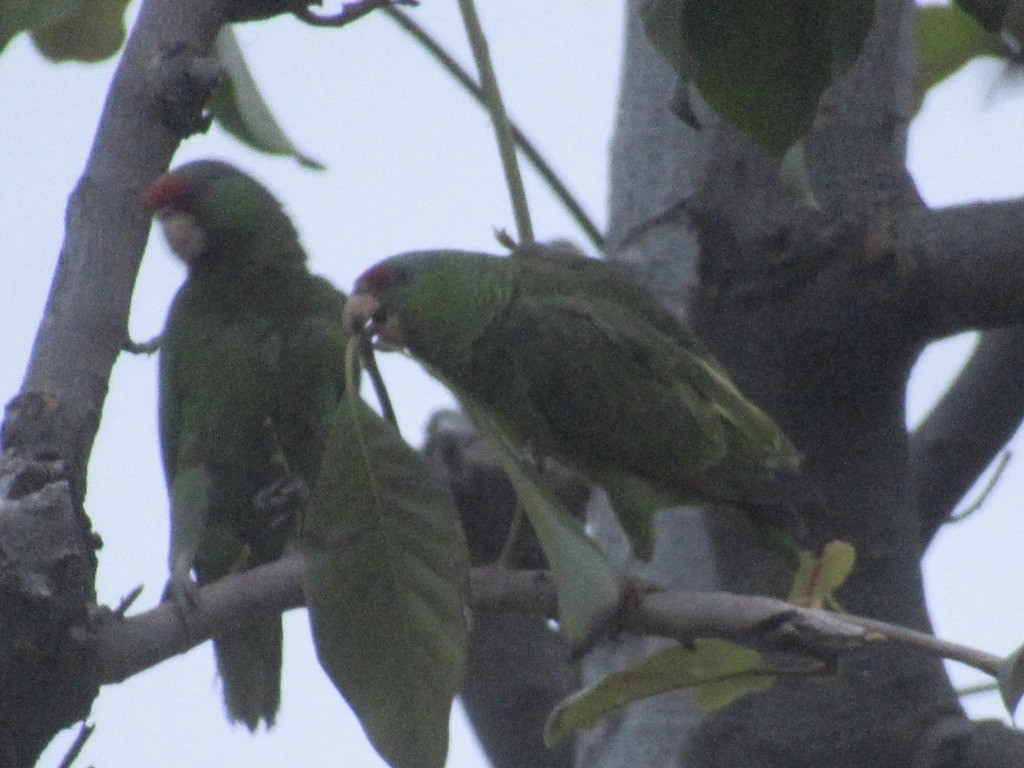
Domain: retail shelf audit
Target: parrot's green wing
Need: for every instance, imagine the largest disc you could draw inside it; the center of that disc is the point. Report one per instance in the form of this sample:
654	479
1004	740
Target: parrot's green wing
650	420
601	378
566	271
310	374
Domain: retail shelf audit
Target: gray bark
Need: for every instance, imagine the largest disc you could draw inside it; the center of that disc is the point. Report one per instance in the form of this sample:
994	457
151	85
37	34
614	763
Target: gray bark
819	316
48	670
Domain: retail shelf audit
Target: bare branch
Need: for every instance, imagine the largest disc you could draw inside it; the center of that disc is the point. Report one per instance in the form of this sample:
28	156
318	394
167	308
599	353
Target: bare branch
968	427
128	646
965	266
84	324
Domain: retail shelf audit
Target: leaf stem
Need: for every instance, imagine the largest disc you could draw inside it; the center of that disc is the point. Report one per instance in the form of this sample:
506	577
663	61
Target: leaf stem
547	174
492	95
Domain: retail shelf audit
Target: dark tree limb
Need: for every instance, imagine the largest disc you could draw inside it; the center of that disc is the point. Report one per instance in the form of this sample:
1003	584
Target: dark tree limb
820	331
964	266
968	427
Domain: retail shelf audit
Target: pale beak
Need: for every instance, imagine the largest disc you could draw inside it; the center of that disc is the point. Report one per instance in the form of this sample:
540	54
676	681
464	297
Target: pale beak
364	314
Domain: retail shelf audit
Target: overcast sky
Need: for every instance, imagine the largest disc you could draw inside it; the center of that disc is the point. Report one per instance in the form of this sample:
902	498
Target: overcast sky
411	164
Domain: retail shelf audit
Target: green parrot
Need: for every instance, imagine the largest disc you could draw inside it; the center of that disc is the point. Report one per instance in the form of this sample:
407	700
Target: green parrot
576	361
251	370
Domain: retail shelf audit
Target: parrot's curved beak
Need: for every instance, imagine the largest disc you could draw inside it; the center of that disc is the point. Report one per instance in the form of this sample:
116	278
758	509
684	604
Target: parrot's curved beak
364	314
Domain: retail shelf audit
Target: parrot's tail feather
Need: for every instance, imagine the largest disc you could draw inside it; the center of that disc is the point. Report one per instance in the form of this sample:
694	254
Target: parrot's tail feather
249	665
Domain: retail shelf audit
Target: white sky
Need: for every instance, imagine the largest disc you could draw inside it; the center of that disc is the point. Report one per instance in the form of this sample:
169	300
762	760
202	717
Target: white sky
411	164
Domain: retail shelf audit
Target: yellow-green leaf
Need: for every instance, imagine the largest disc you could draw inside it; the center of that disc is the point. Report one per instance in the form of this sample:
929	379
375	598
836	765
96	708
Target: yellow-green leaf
948	38
93	31
716	670
819	576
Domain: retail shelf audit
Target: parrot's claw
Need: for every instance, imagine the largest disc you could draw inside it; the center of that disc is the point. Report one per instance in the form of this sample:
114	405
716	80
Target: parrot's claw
182	592
280	502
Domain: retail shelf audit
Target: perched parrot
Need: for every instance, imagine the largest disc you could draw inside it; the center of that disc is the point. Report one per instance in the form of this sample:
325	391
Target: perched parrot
251	370
576	361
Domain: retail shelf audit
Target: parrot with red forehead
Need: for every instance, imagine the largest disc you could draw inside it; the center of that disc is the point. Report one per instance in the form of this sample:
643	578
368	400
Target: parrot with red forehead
251	370
576	361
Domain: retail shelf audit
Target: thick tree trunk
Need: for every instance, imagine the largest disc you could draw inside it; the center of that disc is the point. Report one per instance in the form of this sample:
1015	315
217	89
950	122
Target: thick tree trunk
814	314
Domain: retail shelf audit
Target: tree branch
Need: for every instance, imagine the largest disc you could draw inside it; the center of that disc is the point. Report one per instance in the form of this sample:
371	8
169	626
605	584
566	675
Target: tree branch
964	266
156	97
128	646
968	427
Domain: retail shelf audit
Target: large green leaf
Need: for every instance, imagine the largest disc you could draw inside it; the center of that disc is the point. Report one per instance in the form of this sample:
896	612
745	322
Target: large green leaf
239	108
19	15
386	578
717	670
586	583
93	31
762	64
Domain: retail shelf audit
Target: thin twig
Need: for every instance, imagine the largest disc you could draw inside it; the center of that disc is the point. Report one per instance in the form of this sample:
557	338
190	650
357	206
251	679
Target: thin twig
974	506
141	347
128	600
515	528
983	661
76	746
547	174
492	95
370	364
349	12
977	688
128	646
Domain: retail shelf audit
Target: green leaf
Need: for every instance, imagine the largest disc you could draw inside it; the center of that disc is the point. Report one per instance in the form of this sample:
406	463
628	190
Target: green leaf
762	64
1011	680
819	576
718	671
587	585
947	38
19	15
837	561
386	579
93	31
239	108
